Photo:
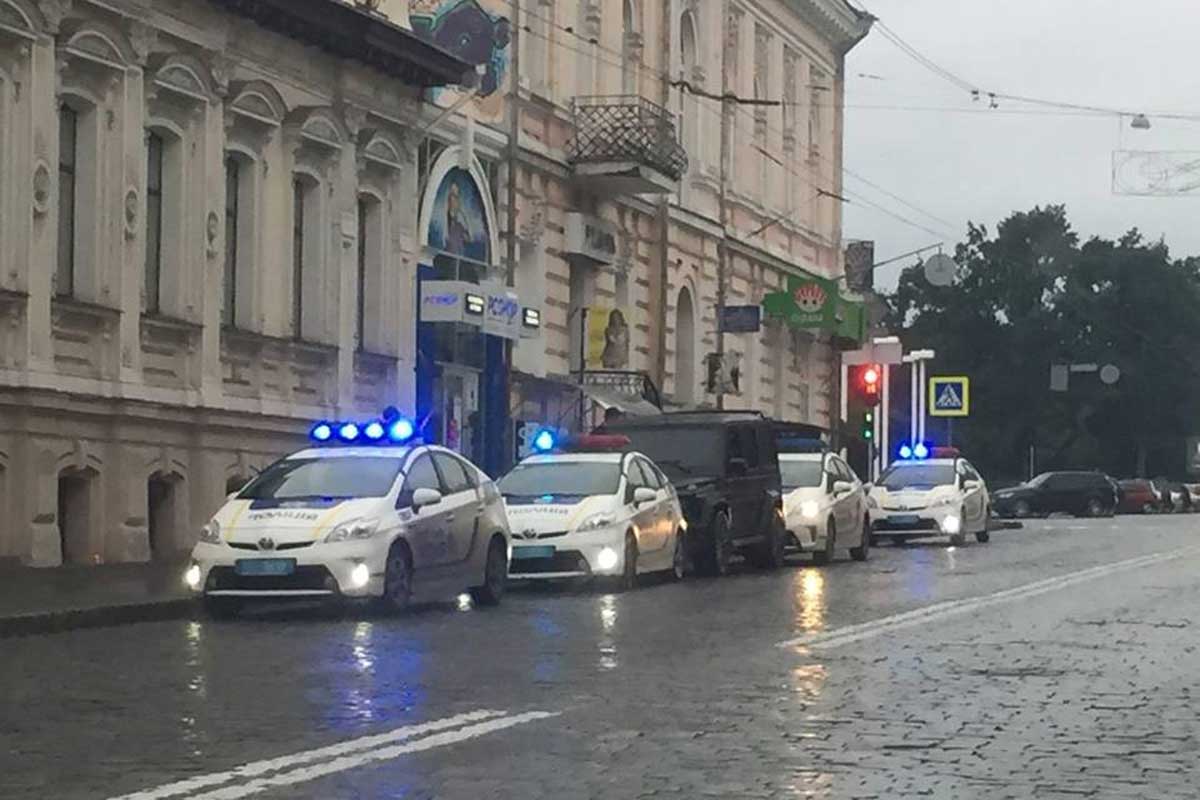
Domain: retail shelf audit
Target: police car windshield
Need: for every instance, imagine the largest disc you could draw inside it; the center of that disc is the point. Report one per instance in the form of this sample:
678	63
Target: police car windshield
561	478
798	474
916	476
311	478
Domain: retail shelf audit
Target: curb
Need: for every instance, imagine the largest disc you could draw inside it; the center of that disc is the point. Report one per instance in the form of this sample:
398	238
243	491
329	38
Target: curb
40	622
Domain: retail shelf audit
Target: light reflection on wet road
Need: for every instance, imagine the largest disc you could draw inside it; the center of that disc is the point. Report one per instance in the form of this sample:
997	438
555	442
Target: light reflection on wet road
681	685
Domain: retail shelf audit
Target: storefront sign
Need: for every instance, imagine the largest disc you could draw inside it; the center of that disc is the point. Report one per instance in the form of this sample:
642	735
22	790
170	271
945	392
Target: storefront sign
591	238
442	301
806	303
741	319
502	316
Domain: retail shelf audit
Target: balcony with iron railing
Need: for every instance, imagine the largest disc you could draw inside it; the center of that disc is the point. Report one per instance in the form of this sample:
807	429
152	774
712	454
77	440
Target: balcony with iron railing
625	144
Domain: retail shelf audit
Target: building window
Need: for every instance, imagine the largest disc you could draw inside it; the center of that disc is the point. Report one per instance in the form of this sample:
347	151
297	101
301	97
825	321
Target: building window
299	198
690	105
818	94
370	265
685	349
631	63
233	177
68	142
537	43
151	301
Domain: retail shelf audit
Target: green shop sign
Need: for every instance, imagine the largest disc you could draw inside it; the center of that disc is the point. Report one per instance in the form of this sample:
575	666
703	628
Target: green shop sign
806	303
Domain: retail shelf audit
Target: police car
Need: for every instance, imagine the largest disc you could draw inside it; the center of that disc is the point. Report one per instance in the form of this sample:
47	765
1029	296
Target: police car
930	491
593	508
366	512
824	502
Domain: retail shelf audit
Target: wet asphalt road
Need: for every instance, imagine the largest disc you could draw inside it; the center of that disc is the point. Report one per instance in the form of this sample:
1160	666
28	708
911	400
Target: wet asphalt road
1056	661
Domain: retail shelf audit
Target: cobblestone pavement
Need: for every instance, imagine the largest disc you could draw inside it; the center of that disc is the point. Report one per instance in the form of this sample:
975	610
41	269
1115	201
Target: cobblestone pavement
1057	661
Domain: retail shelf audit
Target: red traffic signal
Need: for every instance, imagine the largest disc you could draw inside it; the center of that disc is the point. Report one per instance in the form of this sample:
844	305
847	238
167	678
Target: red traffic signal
868	384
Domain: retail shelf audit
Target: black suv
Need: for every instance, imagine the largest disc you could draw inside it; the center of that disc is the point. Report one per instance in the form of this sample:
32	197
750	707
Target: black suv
725	468
1084	494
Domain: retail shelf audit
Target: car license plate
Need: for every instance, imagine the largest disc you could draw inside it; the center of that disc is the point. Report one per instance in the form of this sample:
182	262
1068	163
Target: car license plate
533	552
905	519
265	566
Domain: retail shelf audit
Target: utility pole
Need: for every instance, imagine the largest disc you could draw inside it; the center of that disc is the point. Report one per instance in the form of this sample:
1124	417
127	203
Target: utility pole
514	154
722	201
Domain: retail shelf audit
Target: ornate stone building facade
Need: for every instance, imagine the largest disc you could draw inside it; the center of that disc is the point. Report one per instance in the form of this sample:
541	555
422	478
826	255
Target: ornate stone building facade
182	255
222	219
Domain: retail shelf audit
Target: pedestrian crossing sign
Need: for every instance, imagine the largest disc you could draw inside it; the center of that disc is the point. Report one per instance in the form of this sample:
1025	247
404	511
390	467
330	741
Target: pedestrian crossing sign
950	396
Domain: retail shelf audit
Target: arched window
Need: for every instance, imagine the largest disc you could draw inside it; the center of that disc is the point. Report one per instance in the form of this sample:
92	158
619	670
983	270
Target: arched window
685	349
689	104
631	46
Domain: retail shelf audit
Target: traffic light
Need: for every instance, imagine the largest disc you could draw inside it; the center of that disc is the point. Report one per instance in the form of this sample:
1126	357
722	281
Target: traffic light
868	426
870	379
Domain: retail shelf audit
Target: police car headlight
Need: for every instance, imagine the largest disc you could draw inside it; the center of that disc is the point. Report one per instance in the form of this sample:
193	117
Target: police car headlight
810	509
353	530
211	533
597	521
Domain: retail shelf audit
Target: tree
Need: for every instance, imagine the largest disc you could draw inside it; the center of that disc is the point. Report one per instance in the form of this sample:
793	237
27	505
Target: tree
1031	296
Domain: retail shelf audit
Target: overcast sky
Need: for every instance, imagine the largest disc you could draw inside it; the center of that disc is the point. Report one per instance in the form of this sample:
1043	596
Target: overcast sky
981	166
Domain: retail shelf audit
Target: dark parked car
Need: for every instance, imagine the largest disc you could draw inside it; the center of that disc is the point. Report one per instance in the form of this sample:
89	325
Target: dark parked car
1084	494
1139	497
725	468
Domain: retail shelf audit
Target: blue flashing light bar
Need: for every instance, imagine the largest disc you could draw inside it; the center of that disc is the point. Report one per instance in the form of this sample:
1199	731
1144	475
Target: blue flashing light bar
544	441
906	452
921	451
401	430
390	429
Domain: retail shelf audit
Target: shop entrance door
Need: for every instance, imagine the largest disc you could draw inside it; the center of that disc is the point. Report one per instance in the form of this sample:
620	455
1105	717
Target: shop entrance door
456	398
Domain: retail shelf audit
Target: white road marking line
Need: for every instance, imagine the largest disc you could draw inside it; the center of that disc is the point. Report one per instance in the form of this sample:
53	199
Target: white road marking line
868	630
311	773
257	768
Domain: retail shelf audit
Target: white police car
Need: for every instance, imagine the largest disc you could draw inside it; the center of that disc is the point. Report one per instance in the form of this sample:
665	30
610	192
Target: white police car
599	510
930	491
368	512
824	504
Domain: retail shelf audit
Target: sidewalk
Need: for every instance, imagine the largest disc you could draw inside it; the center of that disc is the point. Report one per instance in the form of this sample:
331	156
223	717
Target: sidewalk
65	598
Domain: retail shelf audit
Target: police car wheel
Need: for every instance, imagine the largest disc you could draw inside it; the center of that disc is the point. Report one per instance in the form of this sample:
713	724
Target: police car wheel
628	579
679	558
397	582
716	552
826	555
222	607
861	552
495	576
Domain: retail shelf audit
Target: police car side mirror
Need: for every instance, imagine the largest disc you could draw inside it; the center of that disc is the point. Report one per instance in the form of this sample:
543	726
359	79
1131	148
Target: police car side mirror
643	495
842	487
970	485
425	497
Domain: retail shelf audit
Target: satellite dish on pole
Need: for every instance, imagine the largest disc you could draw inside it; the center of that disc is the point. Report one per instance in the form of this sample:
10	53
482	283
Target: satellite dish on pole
940	269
